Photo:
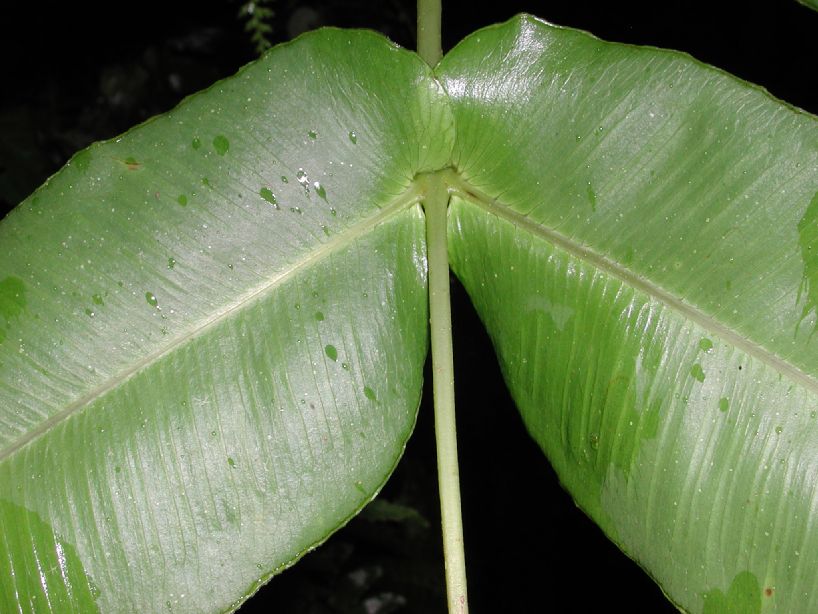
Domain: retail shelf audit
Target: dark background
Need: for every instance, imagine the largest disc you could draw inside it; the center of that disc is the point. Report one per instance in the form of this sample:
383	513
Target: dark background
74	73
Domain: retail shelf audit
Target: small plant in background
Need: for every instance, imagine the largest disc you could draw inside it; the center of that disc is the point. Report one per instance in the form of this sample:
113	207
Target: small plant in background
258	14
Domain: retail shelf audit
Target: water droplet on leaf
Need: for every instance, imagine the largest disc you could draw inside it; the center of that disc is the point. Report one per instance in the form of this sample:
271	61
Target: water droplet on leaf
319	189
221	145
303	179
591	196
268	195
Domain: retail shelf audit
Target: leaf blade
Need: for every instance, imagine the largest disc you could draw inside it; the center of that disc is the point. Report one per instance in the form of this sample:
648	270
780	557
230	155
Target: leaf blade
212	437
611	355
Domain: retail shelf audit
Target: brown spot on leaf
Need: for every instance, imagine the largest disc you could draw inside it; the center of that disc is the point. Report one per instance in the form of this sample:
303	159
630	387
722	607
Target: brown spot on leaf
131	164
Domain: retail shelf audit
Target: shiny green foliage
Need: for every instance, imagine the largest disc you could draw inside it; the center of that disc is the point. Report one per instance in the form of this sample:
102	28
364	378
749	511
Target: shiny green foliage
173	424
212	330
645	266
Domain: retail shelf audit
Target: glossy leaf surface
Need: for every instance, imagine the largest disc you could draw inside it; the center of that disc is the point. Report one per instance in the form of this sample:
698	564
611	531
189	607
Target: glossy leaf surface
637	233
213	333
212	329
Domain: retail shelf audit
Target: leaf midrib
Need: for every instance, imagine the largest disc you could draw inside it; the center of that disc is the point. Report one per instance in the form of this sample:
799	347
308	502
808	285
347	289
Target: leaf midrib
410	197
407	199
462	189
